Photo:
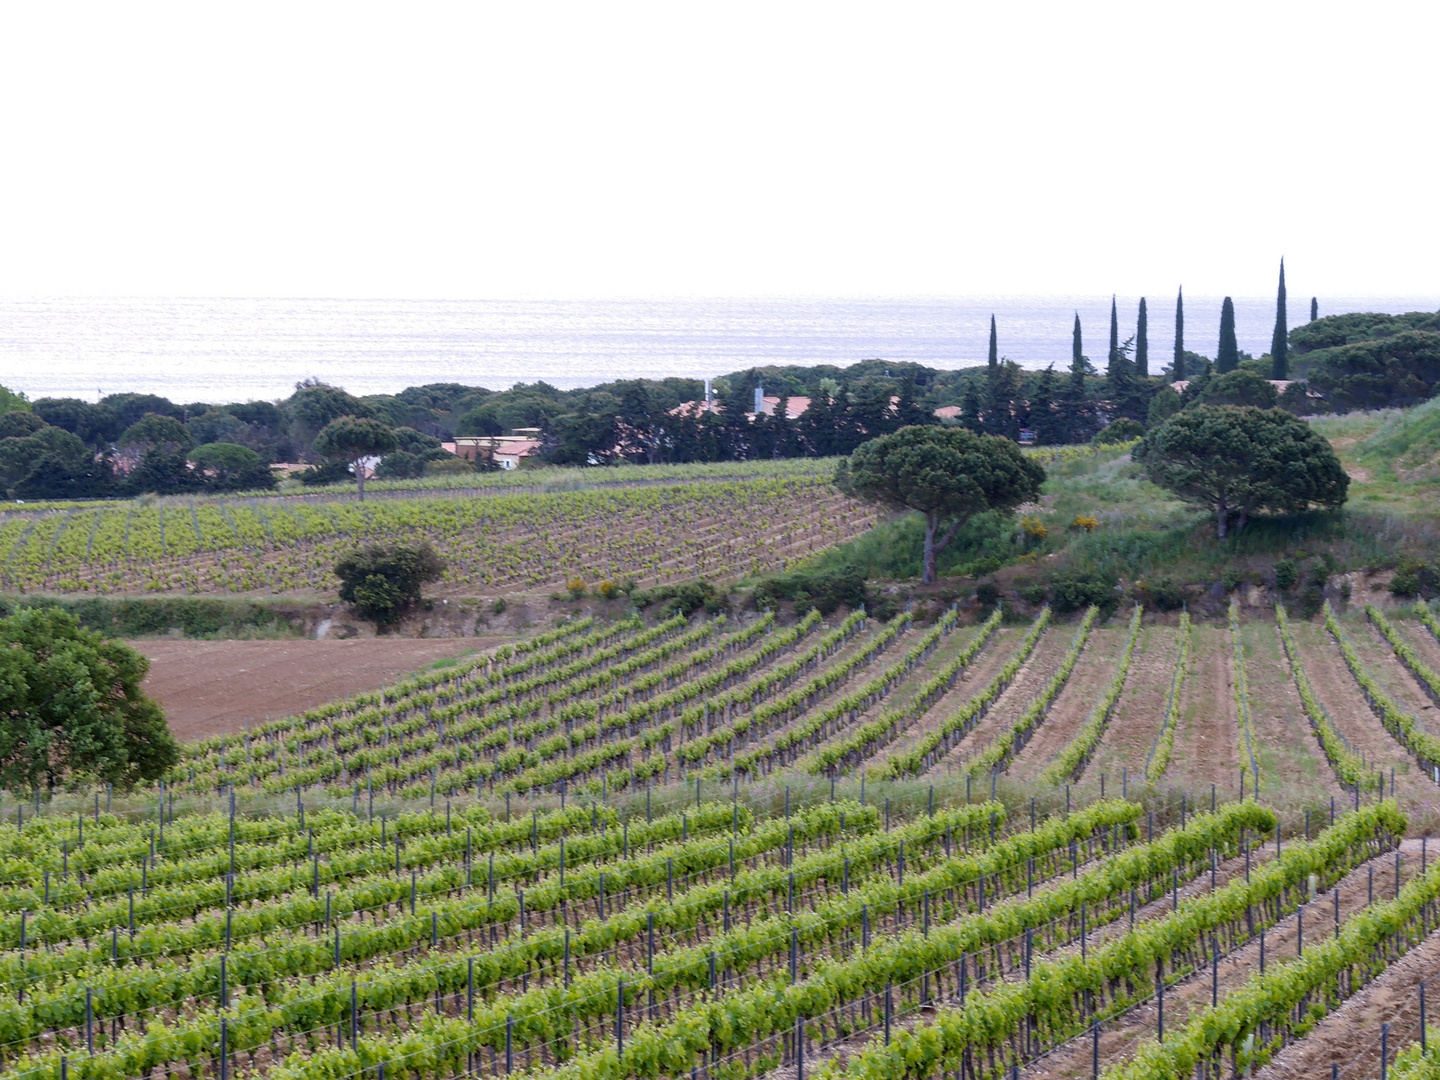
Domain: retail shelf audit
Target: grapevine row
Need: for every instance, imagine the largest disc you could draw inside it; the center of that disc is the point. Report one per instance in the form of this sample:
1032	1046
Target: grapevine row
1073	757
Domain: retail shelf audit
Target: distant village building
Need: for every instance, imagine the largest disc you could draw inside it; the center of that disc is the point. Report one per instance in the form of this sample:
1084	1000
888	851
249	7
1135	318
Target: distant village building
505	451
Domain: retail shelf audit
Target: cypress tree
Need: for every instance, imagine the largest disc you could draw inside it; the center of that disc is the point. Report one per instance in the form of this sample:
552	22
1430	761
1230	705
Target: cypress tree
1178	368
1042	407
1077	358
994	367
1142	342
1227	354
1073	419
1314	309
1279	342
1114	360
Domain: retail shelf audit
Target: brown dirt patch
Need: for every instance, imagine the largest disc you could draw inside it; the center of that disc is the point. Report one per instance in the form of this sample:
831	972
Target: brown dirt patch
1293	767
1093	672
214	687
1206	742
1131	731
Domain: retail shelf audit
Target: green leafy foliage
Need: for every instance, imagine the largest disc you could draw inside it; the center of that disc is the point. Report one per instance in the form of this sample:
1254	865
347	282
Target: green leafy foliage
1120	972
383	580
947	474
1290	998
73	707
228	467
1243	460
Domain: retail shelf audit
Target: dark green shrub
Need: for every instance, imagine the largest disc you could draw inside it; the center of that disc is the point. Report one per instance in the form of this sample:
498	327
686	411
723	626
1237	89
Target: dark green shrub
1286	574
382	580
683	599
1118	431
822	589
1415	578
1032	590
987	594
1164	594
331	472
1233	576
1074	590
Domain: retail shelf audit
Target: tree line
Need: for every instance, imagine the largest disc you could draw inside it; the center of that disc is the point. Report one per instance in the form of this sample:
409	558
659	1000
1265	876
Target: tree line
131	443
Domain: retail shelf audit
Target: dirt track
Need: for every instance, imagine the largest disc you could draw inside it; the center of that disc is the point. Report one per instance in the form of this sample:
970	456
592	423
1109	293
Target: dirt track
1071	708
1136	721
212	687
1207	738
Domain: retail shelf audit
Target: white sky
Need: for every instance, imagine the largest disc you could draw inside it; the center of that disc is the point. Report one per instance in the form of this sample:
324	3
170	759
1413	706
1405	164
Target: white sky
557	150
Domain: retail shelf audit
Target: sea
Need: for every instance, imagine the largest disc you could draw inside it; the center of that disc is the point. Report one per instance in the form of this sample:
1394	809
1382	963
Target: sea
226	349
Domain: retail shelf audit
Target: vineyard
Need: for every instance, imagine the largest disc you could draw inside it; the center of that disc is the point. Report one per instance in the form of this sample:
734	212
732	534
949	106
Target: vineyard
732	848
503	541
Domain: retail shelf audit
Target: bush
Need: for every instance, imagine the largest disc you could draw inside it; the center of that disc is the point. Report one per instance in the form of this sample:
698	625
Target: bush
1073	590
987	594
1118	431
1415	578
448	466
193	616
1034	529
1164	593
1032	590
383	580
822	589
398	465
682	599
332	472
1286	574
1233	576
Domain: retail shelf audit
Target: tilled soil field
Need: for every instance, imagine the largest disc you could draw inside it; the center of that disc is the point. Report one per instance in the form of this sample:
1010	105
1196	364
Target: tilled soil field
215	687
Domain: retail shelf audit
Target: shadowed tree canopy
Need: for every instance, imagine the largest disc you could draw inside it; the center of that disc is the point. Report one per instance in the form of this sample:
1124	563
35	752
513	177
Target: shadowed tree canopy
1243	460
72	706
352	439
228	467
159	445
1239	387
948	474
